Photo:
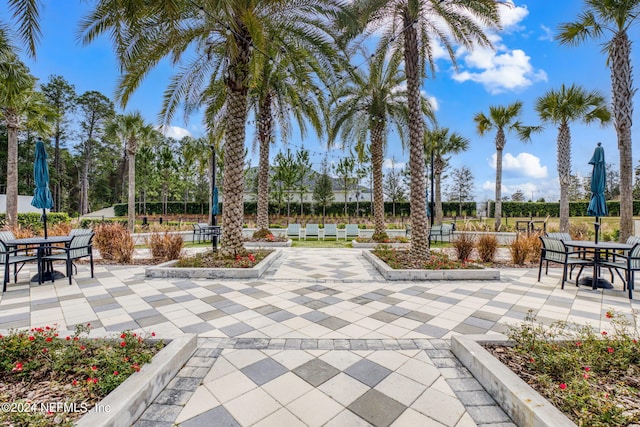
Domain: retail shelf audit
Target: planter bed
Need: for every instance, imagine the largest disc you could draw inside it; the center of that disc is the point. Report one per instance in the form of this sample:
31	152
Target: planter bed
521	402
254	245
168	270
413	274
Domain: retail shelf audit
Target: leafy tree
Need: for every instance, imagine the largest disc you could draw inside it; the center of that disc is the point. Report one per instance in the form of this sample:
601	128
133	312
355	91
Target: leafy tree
615	17
612	186
61	96
323	189
562	107
21	106
286	173
304	170
442	143
393	186
413	26
576	188
96	110
461	188
502	119
518	196
345	170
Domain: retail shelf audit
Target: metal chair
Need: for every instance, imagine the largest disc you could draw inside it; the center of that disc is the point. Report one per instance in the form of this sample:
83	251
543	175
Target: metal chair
330	230
79	247
15	257
629	263
351	230
312	230
554	250
293	230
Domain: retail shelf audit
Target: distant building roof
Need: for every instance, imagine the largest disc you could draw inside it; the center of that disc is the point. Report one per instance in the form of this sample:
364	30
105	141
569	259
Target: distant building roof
24	204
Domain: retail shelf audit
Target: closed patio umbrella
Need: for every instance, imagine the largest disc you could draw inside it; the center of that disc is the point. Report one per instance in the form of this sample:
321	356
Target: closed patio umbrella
42	198
597	204
215	208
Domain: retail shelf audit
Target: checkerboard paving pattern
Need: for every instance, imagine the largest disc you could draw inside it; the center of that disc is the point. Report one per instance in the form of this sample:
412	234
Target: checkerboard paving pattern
331	383
321	338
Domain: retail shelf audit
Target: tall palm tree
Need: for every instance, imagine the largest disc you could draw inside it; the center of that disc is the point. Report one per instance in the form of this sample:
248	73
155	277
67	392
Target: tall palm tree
229	40
562	107
413	26
132	131
26	15
20	103
441	143
503	120
365	104
615	17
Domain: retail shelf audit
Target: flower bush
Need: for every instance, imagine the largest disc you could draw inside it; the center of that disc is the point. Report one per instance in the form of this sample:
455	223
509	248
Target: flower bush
212	259
593	376
71	369
400	259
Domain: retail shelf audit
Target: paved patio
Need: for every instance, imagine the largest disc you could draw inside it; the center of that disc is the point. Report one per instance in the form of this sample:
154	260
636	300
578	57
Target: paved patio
320	339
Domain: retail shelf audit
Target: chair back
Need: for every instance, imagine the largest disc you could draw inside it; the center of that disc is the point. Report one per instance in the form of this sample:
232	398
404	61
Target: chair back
553	249
351	230
80	246
634	257
632	240
293	230
80	231
6	235
560	236
311	230
330	230
3	252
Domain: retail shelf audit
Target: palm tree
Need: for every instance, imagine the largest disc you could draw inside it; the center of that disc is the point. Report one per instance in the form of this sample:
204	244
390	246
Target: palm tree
20	103
561	107
412	26
365	104
502	119
229	40
441	143
132	131
615	17
26	14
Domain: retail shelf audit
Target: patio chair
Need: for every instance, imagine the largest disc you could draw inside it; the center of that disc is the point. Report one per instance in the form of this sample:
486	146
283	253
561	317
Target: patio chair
629	263
201	232
559	236
554	250
312	230
80	231
293	230
79	247
15	257
351	231
330	230
6	235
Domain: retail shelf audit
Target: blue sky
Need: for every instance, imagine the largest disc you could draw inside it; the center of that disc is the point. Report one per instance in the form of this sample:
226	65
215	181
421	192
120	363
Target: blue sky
526	63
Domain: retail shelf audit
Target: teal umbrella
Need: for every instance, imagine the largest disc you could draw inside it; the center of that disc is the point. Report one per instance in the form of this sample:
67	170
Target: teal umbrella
42	198
215	208
597	204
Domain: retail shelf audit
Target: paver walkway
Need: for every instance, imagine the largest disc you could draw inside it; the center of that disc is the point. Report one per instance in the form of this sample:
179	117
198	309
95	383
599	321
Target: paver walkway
320	339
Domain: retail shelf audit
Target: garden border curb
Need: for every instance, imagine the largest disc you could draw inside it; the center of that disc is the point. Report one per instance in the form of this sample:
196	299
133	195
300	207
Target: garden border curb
131	398
167	270
392	274
519	400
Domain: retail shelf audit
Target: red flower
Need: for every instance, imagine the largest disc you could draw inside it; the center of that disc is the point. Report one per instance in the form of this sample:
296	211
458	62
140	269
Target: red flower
532	360
47	328
95	381
74	382
44	350
115	372
31	338
604	332
579	343
610	350
123	336
135	367
126	359
89	380
587	369
18	367
123	344
76	338
67	338
153	334
585	376
562	386
94	368
609	315
82	347
48	339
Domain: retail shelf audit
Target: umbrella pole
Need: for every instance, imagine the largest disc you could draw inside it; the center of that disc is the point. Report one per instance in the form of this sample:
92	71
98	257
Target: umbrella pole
44	219
596	225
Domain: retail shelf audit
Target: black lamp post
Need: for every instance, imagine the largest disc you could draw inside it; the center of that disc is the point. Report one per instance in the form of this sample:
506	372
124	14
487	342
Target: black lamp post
431	203
214	209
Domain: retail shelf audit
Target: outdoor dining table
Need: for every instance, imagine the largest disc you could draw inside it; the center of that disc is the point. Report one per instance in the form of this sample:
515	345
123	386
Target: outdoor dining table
598	248
37	242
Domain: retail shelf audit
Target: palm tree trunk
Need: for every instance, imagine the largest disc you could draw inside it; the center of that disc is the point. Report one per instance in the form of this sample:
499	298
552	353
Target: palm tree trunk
564	174
622	94
265	129
84	196
131	196
377	158
500	142
419	225
12	171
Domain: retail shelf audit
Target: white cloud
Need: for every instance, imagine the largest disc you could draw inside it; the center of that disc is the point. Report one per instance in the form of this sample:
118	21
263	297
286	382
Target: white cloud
524	164
511	16
547	33
500	72
174	132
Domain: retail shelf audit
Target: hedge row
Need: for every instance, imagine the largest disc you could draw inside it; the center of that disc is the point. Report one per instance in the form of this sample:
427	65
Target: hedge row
336	208
542	209
33	220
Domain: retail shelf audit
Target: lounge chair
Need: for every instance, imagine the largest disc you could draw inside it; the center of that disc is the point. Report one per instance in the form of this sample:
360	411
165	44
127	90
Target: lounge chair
312	230
293	230
351	231
330	230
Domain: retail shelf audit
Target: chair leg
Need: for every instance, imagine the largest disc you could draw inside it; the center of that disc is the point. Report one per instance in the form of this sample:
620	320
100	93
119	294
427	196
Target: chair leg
579	273
6	277
69	269
564	275
540	269
630	283
91	262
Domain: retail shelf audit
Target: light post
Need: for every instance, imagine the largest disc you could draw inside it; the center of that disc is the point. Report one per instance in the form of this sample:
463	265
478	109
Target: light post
432	204
214	207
